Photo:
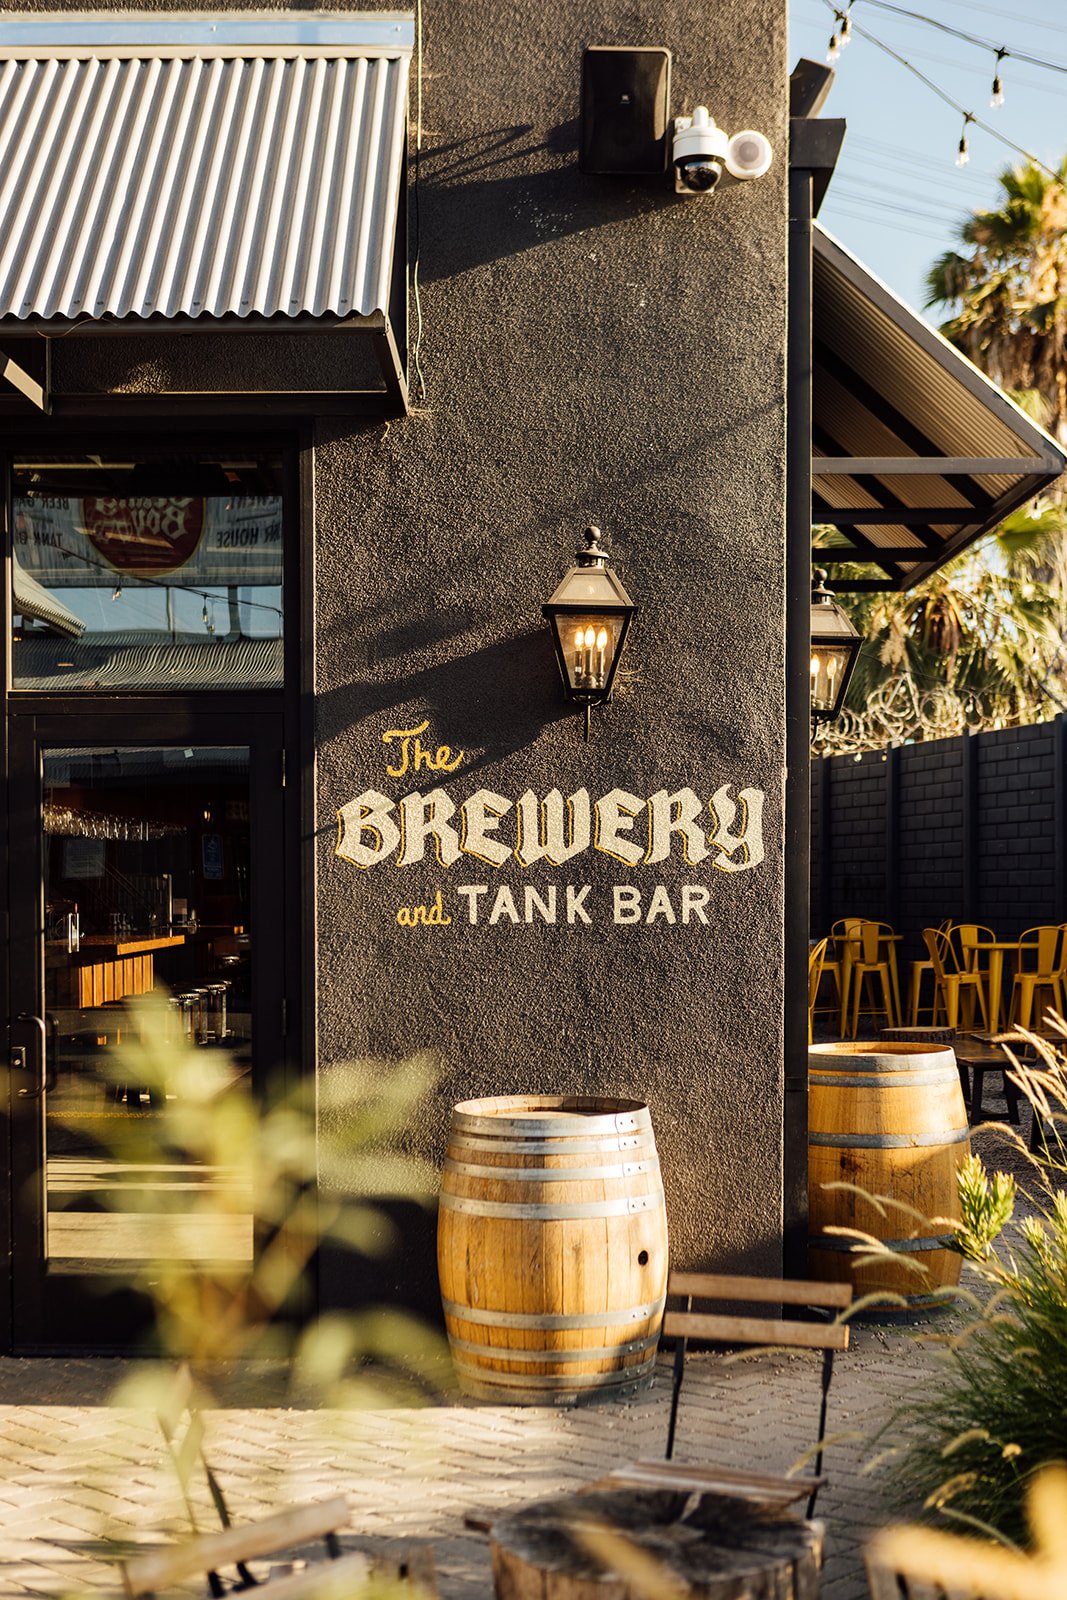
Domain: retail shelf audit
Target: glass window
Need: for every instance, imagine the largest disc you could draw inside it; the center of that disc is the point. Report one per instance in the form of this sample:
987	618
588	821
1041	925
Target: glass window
151	572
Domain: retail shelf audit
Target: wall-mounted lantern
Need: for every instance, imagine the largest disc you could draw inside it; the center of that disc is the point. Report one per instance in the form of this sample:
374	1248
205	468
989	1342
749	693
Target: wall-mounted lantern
835	647
590	614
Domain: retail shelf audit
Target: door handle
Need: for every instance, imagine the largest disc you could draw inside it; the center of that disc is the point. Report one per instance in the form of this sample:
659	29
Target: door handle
51	1057
42	1060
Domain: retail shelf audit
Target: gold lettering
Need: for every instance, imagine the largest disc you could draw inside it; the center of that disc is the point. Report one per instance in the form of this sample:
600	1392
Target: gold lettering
413	756
432	916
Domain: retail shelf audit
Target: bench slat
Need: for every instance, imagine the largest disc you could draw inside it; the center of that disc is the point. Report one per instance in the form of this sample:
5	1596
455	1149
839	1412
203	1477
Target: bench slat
784	1291
755	1330
764	1488
287	1529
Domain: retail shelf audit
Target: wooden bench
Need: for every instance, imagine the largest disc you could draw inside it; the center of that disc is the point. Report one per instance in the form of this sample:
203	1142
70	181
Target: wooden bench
727	1327
228	1551
338	1578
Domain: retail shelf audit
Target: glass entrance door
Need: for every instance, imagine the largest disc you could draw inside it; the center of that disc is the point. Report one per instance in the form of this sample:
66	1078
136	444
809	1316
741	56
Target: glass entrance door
147	913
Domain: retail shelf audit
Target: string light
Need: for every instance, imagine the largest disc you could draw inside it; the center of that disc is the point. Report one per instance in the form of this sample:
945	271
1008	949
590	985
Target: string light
833	52
964	153
842	34
997	92
116	593
970	38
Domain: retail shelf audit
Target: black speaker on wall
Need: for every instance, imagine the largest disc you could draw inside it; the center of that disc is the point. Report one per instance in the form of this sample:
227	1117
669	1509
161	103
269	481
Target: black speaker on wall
626	109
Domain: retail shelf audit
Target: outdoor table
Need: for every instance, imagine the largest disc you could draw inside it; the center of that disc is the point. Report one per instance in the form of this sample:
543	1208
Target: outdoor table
996	951
980	1054
574	1548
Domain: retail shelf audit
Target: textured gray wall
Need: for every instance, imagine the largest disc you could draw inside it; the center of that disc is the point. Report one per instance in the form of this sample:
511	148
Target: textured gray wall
594	350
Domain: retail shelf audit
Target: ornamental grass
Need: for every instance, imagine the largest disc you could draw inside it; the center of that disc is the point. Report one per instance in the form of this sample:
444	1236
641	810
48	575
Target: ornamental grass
995	1411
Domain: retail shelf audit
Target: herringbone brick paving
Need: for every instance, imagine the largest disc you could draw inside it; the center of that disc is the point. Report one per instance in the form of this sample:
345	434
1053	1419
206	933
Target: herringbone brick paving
76	1473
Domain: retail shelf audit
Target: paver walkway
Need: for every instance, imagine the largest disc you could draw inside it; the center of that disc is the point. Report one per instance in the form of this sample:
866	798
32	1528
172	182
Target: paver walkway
75	1471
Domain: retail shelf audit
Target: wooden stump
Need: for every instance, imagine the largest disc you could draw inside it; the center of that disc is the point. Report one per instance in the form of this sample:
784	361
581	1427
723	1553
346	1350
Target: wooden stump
628	1544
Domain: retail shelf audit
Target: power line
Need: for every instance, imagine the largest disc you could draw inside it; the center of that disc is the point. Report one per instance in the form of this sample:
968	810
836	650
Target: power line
961	33
968	116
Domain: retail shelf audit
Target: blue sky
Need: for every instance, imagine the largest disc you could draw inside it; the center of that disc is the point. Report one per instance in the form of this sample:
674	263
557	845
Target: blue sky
897	196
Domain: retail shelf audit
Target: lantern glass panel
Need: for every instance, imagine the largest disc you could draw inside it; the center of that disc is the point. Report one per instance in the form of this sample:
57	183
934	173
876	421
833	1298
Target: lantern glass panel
588	642
829	674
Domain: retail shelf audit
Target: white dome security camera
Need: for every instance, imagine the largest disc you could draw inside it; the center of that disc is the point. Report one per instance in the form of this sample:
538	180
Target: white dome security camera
704	155
699	153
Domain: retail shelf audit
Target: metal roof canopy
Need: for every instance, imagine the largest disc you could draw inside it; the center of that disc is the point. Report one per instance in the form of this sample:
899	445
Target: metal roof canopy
915	453
201	174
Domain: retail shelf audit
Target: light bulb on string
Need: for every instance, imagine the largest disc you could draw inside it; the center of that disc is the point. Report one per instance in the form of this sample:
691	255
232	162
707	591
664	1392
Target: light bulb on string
963	154
997	92
844	32
834	51
116	593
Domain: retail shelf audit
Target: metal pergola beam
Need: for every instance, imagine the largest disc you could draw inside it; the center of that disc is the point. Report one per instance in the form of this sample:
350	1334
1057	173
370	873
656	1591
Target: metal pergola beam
910	517
929	466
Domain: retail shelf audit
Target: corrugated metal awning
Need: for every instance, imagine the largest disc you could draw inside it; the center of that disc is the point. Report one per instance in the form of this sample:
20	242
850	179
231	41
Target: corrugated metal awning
915	453
188	171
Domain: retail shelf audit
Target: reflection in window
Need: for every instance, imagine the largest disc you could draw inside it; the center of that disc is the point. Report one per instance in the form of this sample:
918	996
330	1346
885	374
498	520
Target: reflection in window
147	574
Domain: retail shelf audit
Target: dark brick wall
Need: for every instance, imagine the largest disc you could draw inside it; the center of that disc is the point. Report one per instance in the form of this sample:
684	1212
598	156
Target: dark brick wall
907	837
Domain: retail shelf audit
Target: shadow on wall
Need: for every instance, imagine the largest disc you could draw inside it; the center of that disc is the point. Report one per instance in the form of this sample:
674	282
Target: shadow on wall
490	204
496	700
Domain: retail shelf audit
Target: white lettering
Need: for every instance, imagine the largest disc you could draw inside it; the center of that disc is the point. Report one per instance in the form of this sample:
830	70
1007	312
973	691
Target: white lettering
369	813
694	898
660	905
480	816
615	814
675	813
576	903
472	891
748	840
503	906
546	909
542	835
627	903
422	815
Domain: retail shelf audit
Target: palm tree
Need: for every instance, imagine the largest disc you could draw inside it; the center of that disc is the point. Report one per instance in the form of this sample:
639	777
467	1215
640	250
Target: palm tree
1007	290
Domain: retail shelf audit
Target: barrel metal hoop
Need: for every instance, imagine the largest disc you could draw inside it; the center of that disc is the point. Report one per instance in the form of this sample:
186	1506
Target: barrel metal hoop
916	1080
553	1321
888	1141
548	1358
846	1063
943	1241
558	1213
551	1174
556	1122
554	1147
516	1381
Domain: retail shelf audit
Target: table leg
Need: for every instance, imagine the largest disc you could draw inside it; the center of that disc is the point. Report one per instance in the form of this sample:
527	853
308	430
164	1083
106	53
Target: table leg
996	970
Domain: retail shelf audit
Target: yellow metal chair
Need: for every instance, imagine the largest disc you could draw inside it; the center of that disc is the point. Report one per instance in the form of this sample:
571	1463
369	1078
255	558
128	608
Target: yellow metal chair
1049	972
873	959
950	983
816	967
843	944
916	973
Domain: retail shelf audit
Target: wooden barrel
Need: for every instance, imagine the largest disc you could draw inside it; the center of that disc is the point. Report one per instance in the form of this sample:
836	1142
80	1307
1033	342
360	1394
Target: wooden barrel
552	1247
889	1120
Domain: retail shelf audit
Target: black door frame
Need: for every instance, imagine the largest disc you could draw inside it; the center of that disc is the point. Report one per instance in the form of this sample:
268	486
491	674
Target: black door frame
87	713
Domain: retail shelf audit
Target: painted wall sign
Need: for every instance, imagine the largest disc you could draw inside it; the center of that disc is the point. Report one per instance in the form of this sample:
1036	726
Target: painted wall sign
722	831
79	543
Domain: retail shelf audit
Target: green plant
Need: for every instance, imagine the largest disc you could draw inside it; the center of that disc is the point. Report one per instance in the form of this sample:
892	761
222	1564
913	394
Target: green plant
995	1413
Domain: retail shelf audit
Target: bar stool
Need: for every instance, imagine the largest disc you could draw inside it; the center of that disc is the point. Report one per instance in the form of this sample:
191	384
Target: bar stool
1049	972
916	973
872	960
949	984
815	972
843	942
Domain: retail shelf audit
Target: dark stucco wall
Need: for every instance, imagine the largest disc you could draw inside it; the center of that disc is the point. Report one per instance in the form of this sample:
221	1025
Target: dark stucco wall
598	351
